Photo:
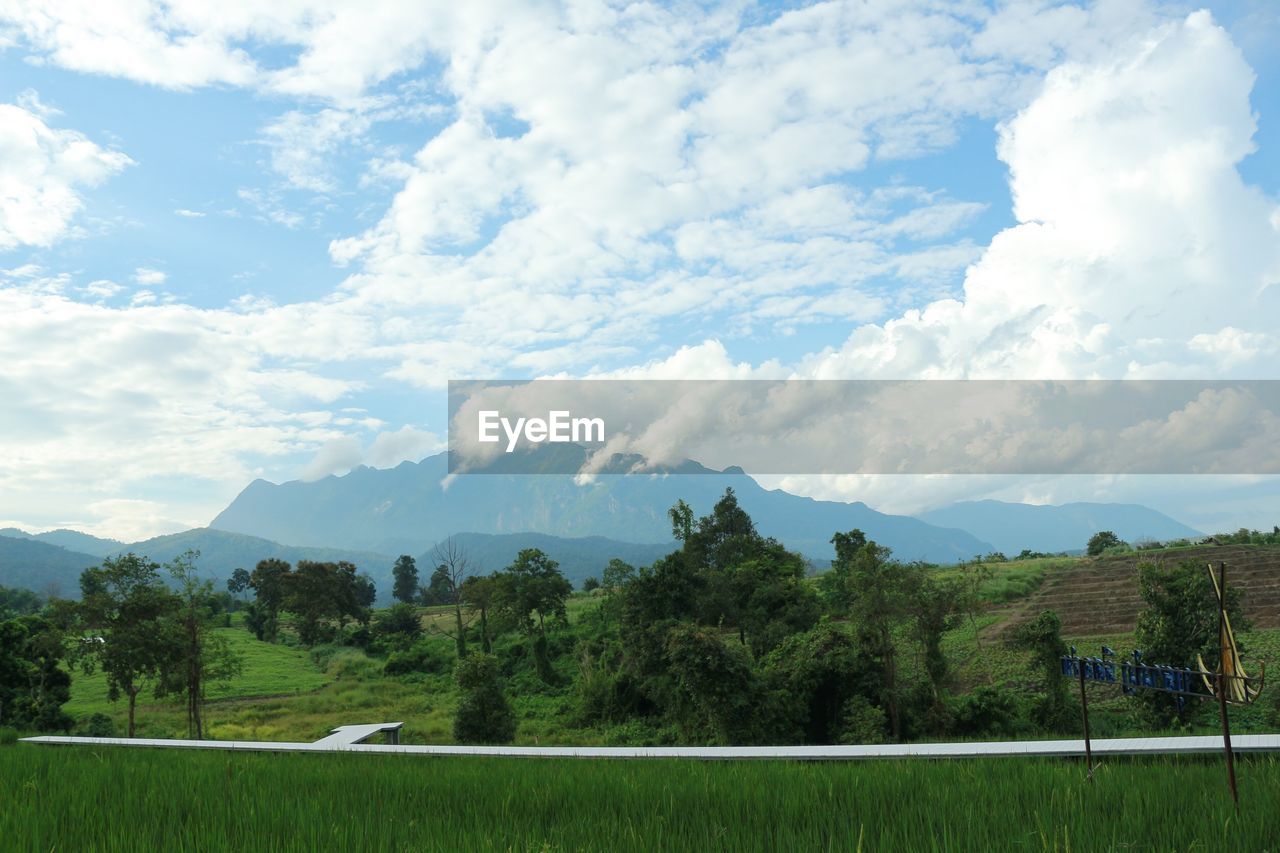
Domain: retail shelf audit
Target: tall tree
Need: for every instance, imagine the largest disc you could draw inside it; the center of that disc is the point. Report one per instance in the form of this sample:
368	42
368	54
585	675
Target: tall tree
405	572
131	617
268	583
477	592
531	592
33	684
204	656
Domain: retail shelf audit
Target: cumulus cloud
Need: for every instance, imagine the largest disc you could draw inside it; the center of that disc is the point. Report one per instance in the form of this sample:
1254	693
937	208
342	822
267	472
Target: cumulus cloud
42	172
1139	249
387	450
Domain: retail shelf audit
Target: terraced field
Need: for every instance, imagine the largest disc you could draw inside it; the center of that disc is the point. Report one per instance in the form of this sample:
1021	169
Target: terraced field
1100	596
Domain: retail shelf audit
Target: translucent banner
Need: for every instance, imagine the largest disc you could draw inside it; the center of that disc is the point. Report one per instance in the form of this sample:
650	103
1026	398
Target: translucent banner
865	426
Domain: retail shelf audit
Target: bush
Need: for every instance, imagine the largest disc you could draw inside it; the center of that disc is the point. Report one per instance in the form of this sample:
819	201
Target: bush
862	722
987	711
424	657
99	725
8	737
484	715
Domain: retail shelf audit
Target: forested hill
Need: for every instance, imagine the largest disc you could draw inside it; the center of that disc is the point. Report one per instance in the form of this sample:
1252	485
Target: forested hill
41	567
404	510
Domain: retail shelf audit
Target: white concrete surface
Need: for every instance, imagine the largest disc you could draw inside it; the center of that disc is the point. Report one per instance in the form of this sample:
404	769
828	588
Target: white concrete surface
344	740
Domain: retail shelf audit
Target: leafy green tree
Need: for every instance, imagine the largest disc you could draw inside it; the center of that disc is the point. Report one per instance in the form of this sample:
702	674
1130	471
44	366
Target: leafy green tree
814	676
1179	621
1101	541
591	584
18	602
239	582
132	619
33	684
320	594
399	626
405	572
878	592
617	574
530	593
484	715
1042	636
478	593
268	581
716	690
203	656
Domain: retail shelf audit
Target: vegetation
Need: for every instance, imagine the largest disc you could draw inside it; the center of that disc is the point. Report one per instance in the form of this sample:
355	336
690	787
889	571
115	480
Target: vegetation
148	800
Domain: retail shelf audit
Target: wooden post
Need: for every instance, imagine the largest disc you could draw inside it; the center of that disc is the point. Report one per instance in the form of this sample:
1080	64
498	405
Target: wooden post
1222	686
1084	714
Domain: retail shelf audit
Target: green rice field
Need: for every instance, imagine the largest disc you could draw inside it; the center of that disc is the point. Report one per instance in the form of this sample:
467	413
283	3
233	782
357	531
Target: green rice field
88	799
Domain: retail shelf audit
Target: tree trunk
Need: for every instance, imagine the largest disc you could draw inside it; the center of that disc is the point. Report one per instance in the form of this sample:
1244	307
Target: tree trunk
461	636
133	703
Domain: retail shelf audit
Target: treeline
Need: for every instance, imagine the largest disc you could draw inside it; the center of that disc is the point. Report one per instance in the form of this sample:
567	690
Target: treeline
143	634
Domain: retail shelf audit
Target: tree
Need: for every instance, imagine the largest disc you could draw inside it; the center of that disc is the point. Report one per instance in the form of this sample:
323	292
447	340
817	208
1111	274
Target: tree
617	574
322	593
591	584
973	576
239	582
268	583
1179	622
1043	637
405	572
453	568
131	616
877	590
366	594
203	656
1101	541
477	592
399	626
483	715
530	592
33	685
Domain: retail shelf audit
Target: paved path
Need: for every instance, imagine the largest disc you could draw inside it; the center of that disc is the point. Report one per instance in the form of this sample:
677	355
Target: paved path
345	739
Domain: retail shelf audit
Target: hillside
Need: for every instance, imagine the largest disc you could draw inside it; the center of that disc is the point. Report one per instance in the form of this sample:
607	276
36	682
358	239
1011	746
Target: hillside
41	567
1100	596
404	510
579	559
1011	527
72	540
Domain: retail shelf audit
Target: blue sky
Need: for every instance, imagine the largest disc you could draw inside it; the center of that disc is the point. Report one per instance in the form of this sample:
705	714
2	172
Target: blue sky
240	242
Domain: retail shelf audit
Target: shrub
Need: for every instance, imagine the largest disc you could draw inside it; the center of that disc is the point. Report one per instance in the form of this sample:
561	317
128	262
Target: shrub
484	715
424	657
8	737
987	711
99	725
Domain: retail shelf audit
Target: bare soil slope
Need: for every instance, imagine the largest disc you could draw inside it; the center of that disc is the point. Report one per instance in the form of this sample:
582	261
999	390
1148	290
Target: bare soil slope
1100	595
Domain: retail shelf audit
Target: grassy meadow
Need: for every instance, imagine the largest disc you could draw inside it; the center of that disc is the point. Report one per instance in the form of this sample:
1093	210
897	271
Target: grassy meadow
88	799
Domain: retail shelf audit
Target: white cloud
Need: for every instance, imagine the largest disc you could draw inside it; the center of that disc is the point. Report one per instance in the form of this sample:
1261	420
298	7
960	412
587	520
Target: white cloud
42	171
188	214
387	450
149	277
1137	241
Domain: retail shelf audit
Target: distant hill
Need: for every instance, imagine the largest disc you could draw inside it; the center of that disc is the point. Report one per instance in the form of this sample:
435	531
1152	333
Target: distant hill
41	567
72	540
221	553
404	510
579	559
1011	527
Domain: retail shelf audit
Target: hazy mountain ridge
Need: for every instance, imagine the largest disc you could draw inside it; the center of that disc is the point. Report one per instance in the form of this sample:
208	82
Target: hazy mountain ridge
72	540
1011	527
407	508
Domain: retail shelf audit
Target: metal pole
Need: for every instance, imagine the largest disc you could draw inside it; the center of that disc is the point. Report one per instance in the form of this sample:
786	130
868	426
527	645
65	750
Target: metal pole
1084	714
1222	687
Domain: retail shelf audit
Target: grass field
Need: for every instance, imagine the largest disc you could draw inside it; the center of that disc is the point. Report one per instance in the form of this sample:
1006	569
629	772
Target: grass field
84	799
269	670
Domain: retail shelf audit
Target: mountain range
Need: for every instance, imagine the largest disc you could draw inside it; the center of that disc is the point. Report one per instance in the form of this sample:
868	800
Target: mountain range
370	516
1011	527
404	509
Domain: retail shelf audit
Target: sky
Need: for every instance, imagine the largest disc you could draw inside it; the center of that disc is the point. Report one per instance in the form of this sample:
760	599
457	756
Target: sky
244	240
